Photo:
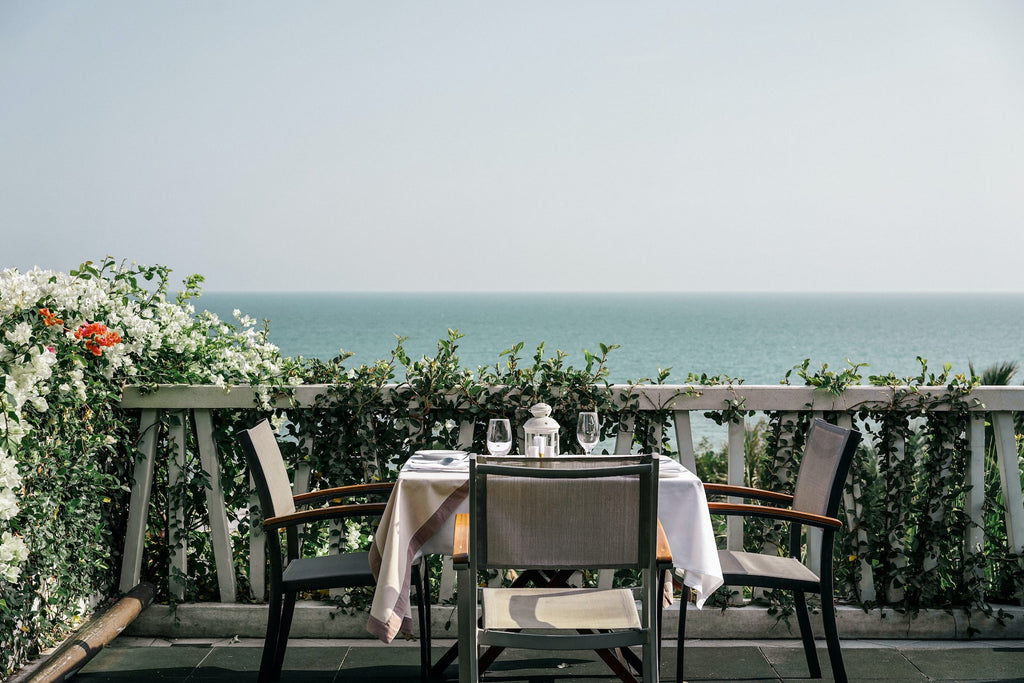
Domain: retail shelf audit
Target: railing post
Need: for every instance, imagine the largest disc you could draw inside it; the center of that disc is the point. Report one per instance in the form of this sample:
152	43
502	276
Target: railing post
1009	476
737	469
783	475
684	439
735	477
138	504
177	536
974	538
854	515
303	470
931	552
896	593
466	428
624	439
659	431
257	547
220	535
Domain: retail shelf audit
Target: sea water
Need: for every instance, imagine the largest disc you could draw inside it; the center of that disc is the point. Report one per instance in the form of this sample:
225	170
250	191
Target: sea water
753	337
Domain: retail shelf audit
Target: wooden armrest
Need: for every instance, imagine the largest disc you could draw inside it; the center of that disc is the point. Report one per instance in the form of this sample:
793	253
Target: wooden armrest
460	546
664	551
331	512
747	492
342	491
774	513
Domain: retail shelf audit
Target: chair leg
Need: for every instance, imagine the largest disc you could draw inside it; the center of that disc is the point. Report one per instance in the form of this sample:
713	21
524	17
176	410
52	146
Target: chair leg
468	666
282	639
663	577
803	618
683	602
270	642
420	577
835	654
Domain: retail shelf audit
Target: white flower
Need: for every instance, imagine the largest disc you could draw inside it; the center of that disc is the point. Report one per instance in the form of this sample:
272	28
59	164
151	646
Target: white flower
353	541
151	329
13	552
8	505
20	335
278	421
10	478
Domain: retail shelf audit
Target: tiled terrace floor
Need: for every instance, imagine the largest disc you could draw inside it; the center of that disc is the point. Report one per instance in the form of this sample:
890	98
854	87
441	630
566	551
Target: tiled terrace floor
146	659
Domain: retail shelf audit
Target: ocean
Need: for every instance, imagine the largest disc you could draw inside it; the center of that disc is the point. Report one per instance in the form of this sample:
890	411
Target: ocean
753	337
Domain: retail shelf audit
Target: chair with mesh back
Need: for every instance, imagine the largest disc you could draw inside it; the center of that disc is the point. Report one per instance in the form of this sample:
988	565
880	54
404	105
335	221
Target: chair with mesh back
554	514
827	455
294	574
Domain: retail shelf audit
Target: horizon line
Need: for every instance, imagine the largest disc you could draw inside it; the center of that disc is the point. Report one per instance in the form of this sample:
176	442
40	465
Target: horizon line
623	292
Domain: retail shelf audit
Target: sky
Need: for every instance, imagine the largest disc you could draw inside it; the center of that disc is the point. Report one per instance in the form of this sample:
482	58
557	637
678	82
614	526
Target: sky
521	146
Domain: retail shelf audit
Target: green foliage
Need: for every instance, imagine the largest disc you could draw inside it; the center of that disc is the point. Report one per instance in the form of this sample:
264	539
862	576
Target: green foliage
75	448
68	344
907	486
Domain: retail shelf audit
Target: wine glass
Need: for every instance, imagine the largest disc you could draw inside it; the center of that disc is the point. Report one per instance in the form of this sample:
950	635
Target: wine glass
499	437
588	431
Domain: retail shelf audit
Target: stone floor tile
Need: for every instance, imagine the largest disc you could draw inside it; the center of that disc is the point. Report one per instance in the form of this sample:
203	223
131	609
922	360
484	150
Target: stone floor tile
158	663
861	664
380	665
325	661
321	663
720	664
995	663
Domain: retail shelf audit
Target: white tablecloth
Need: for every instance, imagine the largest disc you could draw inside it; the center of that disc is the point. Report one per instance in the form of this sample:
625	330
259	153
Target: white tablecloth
420	519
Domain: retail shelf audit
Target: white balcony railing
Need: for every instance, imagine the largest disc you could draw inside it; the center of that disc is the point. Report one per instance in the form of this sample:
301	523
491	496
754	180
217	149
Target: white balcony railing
193	405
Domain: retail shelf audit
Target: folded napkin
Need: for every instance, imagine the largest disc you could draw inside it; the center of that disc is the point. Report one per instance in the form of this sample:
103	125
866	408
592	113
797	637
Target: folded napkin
452	463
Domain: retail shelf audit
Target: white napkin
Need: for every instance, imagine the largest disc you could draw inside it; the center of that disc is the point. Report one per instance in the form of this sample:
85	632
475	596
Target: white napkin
446	464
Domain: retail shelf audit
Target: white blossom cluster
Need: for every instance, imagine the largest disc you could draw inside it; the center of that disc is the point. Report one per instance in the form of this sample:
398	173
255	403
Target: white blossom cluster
160	341
13	552
12	549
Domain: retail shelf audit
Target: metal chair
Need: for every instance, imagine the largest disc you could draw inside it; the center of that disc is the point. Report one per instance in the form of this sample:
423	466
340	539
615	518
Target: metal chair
549	517
828	452
297	574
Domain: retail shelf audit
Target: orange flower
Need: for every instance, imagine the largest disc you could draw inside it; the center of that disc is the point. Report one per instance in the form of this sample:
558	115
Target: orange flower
50	318
97	336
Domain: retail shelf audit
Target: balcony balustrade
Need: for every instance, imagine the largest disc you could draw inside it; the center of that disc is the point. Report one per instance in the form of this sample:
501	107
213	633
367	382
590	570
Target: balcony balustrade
192	406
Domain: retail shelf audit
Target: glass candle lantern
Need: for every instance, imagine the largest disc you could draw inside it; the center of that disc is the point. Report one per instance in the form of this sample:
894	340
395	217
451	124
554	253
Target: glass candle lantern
541	432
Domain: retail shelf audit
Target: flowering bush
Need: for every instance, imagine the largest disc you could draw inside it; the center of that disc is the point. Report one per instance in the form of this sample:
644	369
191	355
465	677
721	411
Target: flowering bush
68	343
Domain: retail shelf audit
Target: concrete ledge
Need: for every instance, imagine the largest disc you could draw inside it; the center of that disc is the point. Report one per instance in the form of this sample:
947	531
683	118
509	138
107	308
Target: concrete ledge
319	620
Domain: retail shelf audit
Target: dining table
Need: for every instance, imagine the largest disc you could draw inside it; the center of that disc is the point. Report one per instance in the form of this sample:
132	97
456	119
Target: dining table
431	489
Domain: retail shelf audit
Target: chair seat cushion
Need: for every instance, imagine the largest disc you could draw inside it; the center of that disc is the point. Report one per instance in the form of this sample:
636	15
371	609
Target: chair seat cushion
328	571
559	608
767	571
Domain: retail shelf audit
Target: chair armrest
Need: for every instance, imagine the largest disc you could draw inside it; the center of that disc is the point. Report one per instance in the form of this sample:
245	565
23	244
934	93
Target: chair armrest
745	509
460	546
339	492
747	492
664	551
316	514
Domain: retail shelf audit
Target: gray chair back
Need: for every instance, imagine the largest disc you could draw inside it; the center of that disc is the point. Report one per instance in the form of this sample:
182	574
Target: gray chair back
828	452
273	486
593	512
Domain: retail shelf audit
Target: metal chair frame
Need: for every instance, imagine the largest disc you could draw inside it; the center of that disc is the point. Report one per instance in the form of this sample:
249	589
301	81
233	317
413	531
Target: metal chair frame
292	573
817	454
471	557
